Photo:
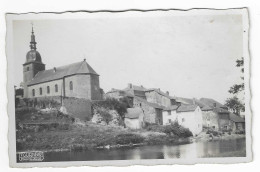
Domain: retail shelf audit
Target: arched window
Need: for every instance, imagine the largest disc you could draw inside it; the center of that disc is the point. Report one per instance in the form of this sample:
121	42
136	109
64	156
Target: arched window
40	91
48	89
71	85
56	88
33	92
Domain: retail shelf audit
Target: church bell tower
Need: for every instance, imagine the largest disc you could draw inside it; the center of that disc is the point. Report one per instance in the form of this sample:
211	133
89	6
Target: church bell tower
32	65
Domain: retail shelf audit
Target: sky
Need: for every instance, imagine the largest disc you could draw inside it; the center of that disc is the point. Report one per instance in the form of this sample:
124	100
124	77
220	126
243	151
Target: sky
189	56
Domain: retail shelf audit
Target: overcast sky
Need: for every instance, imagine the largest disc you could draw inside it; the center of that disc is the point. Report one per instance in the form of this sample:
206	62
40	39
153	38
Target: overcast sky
189	56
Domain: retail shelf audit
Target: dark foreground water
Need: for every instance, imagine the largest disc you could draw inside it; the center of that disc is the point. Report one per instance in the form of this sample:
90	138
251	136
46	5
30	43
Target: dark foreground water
221	148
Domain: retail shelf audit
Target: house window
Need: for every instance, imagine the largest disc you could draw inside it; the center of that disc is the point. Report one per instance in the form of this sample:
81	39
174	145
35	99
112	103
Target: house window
169	112
183	120
40	91
198	126
169	121
28	68
56	88
208	119
225	127
48	90
33	92
71	85
213	127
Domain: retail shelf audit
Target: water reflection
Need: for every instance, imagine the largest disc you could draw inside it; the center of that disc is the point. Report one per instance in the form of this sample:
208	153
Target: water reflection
224	148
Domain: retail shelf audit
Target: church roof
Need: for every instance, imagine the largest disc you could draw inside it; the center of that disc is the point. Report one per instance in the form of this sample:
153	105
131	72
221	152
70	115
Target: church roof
57	73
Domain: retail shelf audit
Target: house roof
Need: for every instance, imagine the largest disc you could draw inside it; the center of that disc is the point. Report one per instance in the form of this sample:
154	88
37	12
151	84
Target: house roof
186	108
205	108
173	107
236	118
210	102
57	73
137	88
133	113
154	105
220	110
160	92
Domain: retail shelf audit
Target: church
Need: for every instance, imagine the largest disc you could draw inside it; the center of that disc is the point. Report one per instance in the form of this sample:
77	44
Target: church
78	80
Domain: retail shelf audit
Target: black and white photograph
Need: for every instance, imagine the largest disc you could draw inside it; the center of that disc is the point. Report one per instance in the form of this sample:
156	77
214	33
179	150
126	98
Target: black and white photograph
129	87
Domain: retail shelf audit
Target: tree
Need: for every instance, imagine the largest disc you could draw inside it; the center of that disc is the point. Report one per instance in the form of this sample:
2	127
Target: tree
236	88
235	105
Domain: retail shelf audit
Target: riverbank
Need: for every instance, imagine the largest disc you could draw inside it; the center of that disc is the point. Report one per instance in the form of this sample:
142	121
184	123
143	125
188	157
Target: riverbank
52	131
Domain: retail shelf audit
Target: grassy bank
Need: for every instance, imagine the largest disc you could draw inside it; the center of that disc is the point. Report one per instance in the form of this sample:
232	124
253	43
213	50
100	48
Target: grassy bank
51	130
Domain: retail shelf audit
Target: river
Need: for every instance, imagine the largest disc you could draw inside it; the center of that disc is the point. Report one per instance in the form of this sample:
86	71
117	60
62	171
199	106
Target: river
220	148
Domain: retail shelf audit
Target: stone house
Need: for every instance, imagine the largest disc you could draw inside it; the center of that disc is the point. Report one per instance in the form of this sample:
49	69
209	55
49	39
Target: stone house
188	116
152	111
134	118
138	91
78	80
159	97
215	115
237	122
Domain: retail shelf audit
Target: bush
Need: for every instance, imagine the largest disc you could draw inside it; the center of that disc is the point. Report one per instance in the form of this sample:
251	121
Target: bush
113	104
107	117
213	132
128	139
173	129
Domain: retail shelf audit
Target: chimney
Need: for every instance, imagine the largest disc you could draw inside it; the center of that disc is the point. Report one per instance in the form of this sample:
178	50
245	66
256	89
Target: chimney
215	105
54	69
167	92
130	85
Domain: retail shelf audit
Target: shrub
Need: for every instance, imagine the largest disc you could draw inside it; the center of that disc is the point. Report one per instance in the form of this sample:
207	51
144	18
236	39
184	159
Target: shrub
107	117
113	104
173	129
214	132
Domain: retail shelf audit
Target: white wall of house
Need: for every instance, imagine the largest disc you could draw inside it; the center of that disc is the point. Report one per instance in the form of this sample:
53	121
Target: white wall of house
132	123
169	116
191	120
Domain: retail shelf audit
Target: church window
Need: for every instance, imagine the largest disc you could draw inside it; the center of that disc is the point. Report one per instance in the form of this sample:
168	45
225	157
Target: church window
33	92
48	89
56	88
40	91
71	85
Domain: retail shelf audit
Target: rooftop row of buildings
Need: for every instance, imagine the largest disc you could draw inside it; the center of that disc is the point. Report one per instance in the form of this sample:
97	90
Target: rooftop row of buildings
161	108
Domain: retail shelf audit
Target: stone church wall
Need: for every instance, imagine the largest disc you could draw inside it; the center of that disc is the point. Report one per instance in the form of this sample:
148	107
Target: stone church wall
44	85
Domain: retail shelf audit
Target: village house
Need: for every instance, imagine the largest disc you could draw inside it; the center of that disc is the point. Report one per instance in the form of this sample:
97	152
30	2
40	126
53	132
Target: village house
152	111
216	116
78	80
159	97
138	91
188	116
237	123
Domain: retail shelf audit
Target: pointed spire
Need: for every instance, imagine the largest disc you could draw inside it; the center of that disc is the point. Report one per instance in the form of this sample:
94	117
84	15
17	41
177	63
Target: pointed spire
33	43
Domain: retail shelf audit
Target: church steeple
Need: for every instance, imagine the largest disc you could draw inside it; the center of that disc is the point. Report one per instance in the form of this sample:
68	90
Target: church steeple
33	43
